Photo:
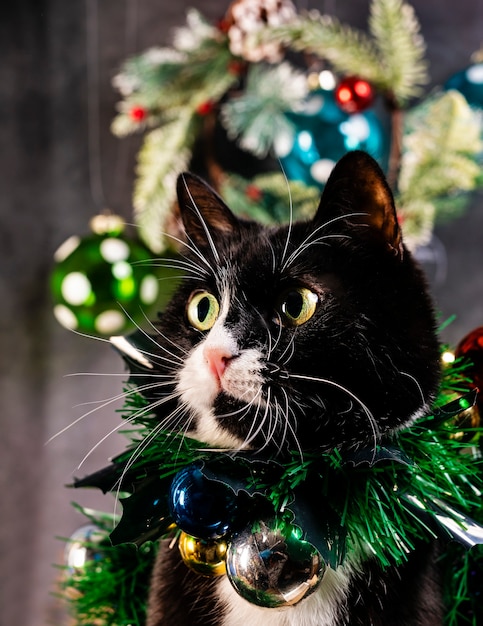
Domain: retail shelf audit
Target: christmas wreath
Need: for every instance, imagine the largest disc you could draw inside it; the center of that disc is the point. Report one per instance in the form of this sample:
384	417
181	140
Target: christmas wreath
300	90
265	99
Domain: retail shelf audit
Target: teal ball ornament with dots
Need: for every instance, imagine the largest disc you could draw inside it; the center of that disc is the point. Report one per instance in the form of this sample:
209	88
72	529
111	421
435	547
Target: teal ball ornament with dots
469	82
104	283
323	132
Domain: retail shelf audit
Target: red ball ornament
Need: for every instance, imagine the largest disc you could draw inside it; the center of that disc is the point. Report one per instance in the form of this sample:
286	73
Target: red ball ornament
253	193
138	113
205	108
236	68
471	348
354	94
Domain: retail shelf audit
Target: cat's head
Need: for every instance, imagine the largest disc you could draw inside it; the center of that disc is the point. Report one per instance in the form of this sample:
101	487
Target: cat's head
312	335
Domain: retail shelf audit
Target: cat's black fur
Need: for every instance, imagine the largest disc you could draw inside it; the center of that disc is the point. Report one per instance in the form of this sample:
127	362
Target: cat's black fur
362	366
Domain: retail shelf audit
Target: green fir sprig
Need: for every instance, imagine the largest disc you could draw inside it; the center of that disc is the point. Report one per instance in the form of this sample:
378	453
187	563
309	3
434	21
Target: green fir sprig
166	152
392	59
267	198
170	90
441	148
258	115
176	96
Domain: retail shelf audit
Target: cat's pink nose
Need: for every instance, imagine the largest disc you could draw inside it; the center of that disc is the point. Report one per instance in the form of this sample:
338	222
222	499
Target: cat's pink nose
217	359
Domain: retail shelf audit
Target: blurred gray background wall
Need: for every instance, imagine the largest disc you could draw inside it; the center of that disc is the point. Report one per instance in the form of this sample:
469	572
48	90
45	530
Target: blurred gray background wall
48	91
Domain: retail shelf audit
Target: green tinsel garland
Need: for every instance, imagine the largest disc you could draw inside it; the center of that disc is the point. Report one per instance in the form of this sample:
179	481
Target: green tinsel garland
379	503
111	587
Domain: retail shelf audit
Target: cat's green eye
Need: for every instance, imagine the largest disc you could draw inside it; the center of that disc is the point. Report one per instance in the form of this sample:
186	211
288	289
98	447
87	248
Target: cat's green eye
297	306
202	310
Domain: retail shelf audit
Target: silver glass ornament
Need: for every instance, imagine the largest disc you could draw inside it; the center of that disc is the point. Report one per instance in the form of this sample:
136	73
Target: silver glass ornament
273	567
83	546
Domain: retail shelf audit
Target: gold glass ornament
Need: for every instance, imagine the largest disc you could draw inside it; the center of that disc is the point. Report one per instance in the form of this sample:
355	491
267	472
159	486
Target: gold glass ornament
206	557
468	420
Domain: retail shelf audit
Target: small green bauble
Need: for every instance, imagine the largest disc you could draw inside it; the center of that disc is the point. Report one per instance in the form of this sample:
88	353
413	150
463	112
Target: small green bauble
104	283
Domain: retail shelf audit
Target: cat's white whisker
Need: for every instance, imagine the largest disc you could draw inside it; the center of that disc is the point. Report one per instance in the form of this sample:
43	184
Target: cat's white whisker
170	341
135	456
106	402
423	399
146	442
288	352
209	237
101	404
117	374
372	422
153	340
252	433
193	269
142	411
191	246
290	221
274	256
310	238
287	425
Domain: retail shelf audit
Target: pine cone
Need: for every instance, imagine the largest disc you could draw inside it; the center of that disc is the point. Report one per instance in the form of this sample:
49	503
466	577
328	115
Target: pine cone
246	17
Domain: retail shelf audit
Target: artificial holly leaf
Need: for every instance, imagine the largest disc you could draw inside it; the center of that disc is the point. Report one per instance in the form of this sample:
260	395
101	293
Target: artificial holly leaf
145	515
320	523
452	409
104	479
121	475
371	456
245	473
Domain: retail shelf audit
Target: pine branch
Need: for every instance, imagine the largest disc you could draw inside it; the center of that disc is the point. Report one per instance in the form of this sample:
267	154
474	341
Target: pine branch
258	115
417	221
392	60
165	154
440	150
350	51
196	31
396	32
163	80
267	198
439	161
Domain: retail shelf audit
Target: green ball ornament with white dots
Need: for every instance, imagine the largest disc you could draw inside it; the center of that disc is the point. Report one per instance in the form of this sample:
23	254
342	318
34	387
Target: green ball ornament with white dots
104	283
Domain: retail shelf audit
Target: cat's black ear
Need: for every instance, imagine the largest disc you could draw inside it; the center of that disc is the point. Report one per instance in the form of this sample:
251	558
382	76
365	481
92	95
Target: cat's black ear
203	212
357	189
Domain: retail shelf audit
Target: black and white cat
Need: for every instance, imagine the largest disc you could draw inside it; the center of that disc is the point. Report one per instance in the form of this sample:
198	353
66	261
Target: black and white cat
315	335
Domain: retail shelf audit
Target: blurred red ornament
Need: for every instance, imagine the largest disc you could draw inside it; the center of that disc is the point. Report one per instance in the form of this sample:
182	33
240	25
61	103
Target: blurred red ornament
236	67
254	193
224	25
354	94
138	114
205	108
471	348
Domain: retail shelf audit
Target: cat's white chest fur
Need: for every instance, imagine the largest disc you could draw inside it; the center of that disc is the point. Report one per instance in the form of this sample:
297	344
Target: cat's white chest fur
322	608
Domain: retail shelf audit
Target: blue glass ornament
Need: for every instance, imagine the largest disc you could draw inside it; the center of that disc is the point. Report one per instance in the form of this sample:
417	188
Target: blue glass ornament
323	133
469	82
201	507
